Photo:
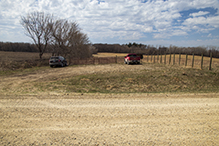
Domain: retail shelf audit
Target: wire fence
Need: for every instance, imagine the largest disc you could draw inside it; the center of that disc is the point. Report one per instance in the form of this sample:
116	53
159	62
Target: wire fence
200	62
192	61
184	60
96	60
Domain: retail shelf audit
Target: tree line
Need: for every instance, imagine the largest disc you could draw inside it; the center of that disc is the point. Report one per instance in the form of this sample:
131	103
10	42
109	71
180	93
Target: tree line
117	48
17	47
152	50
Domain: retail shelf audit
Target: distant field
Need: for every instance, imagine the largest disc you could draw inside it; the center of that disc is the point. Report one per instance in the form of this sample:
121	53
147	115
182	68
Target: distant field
147	58
30	56
21	60
8	59
19	56
110	54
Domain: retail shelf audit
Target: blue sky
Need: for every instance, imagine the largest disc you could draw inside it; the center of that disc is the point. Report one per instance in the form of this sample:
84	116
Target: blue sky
153	22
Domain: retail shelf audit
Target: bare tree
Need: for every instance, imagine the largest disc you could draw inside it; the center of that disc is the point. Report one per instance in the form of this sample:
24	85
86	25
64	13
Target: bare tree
79	45
62	32
68	40
38	27
65	37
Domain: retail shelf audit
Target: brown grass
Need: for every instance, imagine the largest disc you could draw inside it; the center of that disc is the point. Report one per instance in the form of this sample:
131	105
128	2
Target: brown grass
110	54
110	78
21	60
17	60
20	56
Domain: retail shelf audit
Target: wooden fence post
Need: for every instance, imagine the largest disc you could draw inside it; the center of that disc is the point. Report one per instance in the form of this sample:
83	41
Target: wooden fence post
210	61
151	58
161	58
174	59
116	58
157	58
154	58
202	61
179	58
186	59
165	58
170	59
193	57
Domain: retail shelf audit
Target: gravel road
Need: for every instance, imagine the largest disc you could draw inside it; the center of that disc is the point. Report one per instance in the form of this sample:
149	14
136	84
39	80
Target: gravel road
110	119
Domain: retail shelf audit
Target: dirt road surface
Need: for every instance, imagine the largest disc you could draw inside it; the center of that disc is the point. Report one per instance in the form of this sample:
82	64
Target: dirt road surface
110	119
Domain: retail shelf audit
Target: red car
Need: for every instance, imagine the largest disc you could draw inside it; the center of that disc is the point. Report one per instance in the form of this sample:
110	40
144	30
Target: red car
132	58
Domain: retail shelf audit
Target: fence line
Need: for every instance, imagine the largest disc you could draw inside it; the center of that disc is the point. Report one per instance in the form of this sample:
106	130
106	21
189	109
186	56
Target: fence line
171	59
188	60
96	60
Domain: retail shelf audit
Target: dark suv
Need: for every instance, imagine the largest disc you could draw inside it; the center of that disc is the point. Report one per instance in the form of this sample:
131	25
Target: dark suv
57	61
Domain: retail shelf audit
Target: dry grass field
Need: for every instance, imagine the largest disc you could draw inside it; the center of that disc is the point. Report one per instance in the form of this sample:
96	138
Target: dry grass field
147	58
21	60
197	60
20	56
110	54
110	104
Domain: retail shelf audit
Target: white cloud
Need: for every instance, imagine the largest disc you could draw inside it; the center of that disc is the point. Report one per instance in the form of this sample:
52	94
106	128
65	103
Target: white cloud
168	34
120	19
184	43
200	13
202	24
209	36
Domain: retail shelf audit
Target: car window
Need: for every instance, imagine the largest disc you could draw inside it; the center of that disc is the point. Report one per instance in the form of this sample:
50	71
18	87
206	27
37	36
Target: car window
132	55
54	57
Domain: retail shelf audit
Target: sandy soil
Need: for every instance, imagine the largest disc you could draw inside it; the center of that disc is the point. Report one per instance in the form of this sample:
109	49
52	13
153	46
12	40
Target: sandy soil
110	119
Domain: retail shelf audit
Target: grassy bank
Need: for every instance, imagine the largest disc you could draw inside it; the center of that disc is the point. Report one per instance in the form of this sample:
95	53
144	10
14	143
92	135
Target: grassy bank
157	80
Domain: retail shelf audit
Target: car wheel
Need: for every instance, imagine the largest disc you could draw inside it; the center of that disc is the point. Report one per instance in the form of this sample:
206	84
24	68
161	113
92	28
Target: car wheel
51	65
125	62
128	62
